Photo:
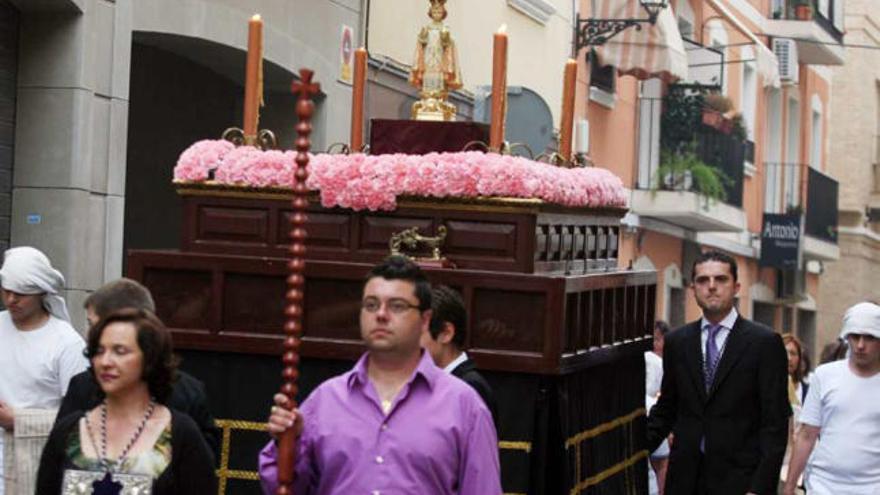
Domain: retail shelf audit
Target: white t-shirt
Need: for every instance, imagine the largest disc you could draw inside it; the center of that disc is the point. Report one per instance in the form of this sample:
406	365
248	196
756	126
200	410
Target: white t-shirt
38	364
846	408
653	374
653	380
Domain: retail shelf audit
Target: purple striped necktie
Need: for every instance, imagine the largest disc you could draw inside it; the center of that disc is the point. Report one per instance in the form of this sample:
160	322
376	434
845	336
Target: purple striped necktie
712	355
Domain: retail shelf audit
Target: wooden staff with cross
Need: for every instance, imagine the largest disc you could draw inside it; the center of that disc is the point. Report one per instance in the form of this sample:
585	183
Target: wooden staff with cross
305	90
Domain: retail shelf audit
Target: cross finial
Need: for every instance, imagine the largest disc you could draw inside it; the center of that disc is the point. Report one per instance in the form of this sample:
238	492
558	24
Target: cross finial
305	88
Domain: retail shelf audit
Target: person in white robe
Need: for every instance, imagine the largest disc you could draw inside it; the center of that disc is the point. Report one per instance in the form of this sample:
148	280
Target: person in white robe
39	352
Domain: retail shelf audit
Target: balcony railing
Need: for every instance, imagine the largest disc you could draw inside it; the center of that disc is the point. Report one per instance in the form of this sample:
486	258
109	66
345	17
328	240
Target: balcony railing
727	154
723	152
821	221
822	12
783	185
783	194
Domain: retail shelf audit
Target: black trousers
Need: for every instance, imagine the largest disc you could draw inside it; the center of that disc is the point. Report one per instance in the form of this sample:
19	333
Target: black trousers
702	486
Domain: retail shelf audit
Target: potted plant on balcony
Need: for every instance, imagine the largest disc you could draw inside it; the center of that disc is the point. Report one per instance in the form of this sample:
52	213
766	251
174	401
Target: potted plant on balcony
685	171
716	111
803	10
738	127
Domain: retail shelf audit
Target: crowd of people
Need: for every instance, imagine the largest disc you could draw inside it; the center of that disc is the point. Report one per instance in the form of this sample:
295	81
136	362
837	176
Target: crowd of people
113	411
732	404
742	411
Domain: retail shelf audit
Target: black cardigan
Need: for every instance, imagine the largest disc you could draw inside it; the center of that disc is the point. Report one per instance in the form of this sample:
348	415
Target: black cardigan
187	396
191	470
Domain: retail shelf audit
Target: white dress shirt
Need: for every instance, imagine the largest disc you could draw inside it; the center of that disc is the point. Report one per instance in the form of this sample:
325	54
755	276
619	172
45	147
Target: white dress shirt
455	362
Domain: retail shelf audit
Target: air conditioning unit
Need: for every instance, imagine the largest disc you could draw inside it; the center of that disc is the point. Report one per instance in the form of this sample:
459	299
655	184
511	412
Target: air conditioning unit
785	50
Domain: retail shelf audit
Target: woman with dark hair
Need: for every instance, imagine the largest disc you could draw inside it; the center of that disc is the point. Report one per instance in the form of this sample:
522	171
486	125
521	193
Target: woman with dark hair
130	440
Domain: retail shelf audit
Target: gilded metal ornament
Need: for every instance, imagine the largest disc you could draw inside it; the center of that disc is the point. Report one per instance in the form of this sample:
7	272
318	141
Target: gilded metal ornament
264	139
410	240
78	482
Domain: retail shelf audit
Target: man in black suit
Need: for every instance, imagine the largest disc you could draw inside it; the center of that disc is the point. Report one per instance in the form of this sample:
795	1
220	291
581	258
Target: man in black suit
445	342
724	394
188	394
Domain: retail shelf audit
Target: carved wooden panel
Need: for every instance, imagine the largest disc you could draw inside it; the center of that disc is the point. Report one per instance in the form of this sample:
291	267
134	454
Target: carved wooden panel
481	238
253	303
543	323
508	320
333	308
183	297
524	239
238	225
328	230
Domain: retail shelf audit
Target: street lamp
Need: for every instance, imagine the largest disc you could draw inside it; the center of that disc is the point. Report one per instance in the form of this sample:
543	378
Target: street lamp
595	32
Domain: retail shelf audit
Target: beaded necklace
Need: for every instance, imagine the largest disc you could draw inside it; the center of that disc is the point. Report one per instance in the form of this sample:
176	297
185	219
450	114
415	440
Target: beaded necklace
113	466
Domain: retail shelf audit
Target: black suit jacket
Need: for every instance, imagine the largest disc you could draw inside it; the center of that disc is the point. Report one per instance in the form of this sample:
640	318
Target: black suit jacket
743	417
188	396
467	371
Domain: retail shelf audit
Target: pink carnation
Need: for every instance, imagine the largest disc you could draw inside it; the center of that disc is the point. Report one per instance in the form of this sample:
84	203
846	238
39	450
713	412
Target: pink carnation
361	181
199	159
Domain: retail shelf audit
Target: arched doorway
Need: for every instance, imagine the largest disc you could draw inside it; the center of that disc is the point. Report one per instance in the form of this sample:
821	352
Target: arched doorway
182	90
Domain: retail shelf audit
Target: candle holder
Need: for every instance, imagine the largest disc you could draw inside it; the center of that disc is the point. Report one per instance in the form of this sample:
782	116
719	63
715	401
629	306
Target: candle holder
553	159
506	148
265	139
345	149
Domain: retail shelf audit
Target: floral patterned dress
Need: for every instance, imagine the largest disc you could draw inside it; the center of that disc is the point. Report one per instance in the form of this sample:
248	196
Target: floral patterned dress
149	463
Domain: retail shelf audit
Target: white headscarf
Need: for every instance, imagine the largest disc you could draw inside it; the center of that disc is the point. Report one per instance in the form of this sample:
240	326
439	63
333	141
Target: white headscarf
27	270
863	318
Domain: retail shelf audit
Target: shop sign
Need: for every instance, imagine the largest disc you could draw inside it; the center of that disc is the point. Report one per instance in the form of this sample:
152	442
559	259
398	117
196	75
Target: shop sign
781	241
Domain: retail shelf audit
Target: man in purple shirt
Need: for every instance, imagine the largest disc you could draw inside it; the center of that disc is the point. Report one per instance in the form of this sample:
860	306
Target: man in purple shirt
395	424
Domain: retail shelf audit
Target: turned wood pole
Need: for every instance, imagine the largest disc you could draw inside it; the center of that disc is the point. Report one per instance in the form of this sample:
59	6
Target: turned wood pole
293	311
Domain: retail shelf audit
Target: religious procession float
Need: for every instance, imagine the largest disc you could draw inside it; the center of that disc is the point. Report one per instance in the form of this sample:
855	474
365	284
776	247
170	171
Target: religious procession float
275	245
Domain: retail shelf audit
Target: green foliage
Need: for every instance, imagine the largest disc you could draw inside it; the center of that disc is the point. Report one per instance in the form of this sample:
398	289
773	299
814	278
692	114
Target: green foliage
676	168
682	116
739	128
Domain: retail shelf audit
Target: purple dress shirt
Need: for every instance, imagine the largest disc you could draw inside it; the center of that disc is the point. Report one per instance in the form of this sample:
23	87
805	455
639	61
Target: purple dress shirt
438	438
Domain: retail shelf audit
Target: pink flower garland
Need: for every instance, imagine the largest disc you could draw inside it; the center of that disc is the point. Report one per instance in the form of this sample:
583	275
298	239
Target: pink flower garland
199	159
375	181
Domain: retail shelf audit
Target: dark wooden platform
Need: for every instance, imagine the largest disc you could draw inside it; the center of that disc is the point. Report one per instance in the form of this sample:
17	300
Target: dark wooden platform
557	327
501	235
542	323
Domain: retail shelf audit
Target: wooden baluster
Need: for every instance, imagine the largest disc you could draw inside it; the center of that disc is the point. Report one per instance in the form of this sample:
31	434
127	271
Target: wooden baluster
293	311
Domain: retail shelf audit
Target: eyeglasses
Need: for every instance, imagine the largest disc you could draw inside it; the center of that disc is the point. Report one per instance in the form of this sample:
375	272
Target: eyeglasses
394	306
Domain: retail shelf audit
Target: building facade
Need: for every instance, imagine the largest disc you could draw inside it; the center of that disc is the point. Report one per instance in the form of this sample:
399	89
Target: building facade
99	97
539	34
106	94
855	144
764	65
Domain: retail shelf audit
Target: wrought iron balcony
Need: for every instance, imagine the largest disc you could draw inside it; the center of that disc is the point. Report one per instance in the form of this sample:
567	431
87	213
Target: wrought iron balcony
816	26
821	221
822	12
724	153
785	186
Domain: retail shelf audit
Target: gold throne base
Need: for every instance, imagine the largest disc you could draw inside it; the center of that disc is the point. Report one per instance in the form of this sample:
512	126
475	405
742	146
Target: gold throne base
433	109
